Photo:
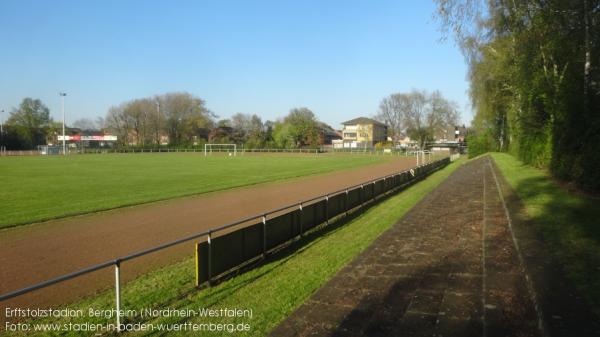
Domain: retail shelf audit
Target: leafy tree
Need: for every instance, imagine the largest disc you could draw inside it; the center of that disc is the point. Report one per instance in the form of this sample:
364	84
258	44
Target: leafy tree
30	121
302	127
186	116
534	80
282	137
182	116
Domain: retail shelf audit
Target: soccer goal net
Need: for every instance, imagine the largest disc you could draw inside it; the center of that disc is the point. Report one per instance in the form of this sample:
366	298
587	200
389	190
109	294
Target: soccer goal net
228	148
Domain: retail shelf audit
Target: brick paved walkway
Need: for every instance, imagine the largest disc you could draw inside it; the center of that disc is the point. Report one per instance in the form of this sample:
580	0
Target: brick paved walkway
449	267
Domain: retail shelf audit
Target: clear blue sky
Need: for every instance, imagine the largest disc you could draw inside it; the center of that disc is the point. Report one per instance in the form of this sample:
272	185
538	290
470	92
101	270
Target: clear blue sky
338	58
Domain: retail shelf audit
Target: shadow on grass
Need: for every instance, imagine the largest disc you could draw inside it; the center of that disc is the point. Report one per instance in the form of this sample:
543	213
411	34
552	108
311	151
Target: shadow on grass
570	226
560	210
559	236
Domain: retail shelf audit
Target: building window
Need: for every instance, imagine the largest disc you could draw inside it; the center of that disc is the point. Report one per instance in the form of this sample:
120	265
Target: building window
350	135
364	135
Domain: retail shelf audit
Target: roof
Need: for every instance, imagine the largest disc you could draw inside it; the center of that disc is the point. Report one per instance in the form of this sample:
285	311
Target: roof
363	120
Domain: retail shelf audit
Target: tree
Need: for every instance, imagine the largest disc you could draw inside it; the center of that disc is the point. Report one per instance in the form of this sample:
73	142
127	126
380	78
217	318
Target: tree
140	113
302	127
118	124
30	121
416	118
391	112
443	113
417	113
130	122
186	117
248	129
182	116
86	124
241	125
282	136
534	79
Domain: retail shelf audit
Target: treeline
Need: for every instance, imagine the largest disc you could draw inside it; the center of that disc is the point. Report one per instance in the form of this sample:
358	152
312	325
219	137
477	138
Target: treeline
182	119
534	73
174	119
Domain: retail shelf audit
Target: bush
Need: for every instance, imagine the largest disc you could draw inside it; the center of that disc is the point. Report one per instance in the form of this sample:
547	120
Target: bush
479	145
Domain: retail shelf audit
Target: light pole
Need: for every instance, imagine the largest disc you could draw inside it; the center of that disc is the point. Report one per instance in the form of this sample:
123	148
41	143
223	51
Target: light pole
62	98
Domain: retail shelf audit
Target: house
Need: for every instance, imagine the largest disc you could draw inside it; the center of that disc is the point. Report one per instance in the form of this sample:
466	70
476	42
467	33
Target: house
363	132
327	134
404	141
450	134
460	133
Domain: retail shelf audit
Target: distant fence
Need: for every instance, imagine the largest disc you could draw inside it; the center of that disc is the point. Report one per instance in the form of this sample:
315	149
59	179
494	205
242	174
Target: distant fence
241	151
4	152
218	255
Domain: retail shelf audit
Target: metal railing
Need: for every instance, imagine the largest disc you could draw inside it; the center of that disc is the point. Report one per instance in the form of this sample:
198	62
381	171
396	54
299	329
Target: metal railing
208	234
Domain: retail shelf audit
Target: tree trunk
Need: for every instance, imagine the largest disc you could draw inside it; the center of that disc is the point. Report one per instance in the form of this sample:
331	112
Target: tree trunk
588	59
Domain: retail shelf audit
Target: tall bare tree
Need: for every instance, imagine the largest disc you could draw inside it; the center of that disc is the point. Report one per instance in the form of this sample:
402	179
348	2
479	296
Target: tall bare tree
247	128
392	110
118	124
417	113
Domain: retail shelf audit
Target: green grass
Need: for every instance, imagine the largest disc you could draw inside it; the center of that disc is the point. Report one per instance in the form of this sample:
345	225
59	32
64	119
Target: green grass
273	290
40	188
567	222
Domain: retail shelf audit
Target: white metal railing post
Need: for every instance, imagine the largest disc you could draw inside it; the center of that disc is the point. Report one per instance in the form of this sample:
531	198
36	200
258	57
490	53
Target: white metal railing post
373	196
362	195
347	202
209	241
327	209
301	229
118	293
264	221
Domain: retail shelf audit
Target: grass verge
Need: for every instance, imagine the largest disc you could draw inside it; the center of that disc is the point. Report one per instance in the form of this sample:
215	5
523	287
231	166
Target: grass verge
567	222
271	291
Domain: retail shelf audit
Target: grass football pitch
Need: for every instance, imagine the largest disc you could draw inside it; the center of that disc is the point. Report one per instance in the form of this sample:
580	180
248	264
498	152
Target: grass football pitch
46	187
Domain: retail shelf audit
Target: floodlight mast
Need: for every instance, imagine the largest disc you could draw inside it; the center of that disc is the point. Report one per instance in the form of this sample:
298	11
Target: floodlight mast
62	98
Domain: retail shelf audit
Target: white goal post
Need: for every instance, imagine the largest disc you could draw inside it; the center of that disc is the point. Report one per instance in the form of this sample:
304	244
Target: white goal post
208	148
425	157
